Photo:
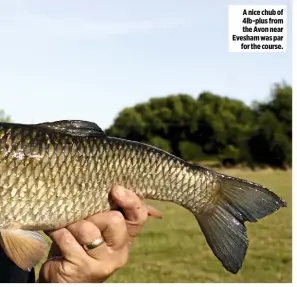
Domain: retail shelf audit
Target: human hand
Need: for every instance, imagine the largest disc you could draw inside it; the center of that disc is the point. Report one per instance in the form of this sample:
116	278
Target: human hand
96	265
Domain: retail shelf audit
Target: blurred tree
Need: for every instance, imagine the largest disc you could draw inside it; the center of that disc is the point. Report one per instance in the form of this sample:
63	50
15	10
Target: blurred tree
190	151
271	141
129	124
224	124
171	118
213	126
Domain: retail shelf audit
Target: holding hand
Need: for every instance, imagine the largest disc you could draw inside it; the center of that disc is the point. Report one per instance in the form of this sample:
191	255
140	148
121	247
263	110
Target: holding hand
94	248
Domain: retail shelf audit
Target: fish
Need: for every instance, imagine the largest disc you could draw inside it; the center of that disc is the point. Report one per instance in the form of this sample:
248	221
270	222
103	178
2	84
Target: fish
56	173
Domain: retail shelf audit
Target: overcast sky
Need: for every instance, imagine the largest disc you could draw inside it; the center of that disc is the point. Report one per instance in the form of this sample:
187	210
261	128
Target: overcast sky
89	59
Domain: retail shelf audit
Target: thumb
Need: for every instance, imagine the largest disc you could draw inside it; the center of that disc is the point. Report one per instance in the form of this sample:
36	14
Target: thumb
49	271
54	269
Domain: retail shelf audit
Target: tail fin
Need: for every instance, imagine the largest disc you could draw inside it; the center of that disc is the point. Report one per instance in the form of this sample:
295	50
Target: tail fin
238	201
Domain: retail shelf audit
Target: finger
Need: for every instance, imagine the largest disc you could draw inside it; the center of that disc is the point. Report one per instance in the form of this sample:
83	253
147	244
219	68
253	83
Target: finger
113	227
154	212
85	232
66	242
133	208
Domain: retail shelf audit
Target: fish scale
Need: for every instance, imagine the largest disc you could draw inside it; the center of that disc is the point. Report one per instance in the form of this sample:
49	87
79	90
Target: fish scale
54	174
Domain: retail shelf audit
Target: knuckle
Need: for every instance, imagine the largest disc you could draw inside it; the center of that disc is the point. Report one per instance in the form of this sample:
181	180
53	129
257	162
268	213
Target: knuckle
117	218
65	238
85	228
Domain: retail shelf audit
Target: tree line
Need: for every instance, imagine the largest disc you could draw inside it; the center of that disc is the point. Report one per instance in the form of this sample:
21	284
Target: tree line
212	127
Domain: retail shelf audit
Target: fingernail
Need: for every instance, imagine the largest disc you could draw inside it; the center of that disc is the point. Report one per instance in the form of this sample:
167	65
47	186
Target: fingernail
120	192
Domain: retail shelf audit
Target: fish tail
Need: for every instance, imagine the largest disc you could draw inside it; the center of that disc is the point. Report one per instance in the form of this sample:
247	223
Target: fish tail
223	224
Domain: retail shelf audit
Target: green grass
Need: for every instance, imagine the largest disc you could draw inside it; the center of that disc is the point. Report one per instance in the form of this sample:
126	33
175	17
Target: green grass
174	249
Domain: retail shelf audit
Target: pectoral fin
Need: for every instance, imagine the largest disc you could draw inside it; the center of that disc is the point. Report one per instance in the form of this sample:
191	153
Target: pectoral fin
25	248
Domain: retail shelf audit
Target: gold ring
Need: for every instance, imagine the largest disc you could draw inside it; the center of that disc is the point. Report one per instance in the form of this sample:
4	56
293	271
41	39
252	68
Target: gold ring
92	245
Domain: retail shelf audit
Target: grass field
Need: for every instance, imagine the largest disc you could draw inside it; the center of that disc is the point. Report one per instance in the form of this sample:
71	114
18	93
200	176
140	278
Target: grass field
174	249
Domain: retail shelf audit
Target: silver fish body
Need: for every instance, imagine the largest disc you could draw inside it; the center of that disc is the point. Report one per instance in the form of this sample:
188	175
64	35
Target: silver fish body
49	180
53	174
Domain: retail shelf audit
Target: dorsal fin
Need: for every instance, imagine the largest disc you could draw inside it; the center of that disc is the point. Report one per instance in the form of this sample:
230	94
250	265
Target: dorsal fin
75	127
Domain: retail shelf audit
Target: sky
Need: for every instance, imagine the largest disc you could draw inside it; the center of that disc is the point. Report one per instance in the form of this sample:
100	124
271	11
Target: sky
90	59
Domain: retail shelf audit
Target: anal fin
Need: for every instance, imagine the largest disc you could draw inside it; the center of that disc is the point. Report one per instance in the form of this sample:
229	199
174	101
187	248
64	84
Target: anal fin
25	248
